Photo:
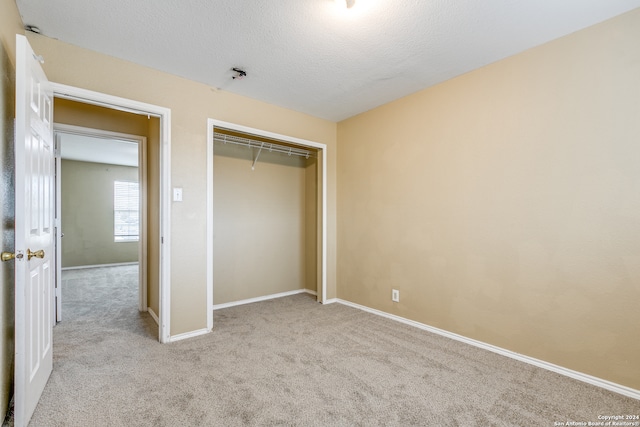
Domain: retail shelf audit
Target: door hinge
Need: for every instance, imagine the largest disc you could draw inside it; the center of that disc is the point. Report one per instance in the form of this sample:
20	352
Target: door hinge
56	142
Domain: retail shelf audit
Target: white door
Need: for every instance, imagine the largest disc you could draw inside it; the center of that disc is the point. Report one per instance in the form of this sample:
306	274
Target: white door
34	153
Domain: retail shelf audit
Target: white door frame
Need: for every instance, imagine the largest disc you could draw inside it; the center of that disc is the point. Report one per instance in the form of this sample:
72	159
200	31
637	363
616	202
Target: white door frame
142	179
128	105
211	125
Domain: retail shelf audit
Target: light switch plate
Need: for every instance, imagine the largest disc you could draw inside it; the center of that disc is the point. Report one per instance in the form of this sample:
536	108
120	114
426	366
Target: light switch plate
177	194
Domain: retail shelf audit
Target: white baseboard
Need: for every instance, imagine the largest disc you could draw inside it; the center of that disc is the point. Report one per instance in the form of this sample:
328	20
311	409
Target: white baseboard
332	301
117	264
187	335
310	292
599	382
153	315
264	298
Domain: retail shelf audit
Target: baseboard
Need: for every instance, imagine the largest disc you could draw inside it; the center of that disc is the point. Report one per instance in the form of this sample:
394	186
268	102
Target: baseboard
332	301
187	335
154	316
310	292
82	267
258	299
599	382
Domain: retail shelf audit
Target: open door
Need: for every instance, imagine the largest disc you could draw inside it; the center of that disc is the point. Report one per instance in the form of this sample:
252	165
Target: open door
34	213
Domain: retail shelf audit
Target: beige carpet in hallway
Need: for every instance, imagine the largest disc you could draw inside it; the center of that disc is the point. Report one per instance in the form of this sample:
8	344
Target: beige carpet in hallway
290	362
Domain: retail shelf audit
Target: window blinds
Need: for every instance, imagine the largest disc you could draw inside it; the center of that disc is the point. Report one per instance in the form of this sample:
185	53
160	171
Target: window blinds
126	211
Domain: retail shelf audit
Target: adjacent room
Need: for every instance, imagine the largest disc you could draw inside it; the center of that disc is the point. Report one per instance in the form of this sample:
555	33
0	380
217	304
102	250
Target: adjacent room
100	211
357	212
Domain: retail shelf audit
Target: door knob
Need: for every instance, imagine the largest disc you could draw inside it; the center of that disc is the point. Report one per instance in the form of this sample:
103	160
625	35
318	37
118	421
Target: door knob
37	254
8	256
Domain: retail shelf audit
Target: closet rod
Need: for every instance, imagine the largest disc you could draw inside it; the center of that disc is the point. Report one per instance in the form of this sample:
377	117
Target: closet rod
246	142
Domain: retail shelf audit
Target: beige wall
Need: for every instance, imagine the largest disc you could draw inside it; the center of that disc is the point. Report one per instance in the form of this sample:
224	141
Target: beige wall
153	215
260	220
94	117
505	204
10	25
191	105
87	214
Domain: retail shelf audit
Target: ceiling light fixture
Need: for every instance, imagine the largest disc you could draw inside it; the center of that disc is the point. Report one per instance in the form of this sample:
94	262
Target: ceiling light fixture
346	3
240	73
32	28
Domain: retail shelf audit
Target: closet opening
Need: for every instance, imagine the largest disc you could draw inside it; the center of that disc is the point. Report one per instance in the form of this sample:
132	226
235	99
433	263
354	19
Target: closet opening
267	212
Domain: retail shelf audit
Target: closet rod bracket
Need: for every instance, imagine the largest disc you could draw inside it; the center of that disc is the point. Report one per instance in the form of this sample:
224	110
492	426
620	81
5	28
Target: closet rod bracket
253	166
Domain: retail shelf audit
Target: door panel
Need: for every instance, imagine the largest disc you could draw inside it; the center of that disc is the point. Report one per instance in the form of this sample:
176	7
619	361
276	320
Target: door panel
34	156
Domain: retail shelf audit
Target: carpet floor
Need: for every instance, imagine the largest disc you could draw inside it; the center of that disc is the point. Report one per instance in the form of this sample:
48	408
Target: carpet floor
290	362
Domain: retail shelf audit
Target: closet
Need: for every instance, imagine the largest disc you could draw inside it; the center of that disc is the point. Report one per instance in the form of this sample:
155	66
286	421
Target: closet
266	217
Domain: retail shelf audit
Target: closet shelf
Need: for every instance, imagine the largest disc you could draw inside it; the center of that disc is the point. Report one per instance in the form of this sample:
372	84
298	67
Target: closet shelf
268	146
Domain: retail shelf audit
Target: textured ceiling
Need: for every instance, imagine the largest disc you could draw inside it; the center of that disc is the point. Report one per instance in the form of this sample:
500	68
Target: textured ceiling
98	150
310	55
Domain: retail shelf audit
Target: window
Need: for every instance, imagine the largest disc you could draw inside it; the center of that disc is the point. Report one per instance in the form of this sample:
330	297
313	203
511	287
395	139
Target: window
126	211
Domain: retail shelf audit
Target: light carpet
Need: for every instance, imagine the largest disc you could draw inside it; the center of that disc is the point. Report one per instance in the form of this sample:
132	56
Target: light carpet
291	362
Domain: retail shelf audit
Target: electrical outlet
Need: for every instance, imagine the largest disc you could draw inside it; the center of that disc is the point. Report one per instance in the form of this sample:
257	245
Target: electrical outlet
395	295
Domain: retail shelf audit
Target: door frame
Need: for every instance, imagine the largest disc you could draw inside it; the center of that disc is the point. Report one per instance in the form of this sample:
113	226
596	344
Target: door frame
322	156
58	129
164	114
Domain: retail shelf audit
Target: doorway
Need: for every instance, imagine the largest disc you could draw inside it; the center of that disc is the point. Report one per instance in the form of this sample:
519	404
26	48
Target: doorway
101	207
306	233
157	121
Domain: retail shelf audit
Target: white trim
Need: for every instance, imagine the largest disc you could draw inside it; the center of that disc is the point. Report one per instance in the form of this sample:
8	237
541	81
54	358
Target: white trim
153	315
82	267
165	228
331	301
324	224
58	237
311	292
258	299
209	231
143	286
187	335
97	133
589	379
123	104
211	124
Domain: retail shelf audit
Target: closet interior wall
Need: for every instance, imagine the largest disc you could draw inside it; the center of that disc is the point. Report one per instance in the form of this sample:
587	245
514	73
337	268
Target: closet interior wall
265	221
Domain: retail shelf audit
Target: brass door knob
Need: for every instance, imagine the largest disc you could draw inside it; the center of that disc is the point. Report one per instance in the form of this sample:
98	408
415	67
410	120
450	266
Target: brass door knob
37	254
8	256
